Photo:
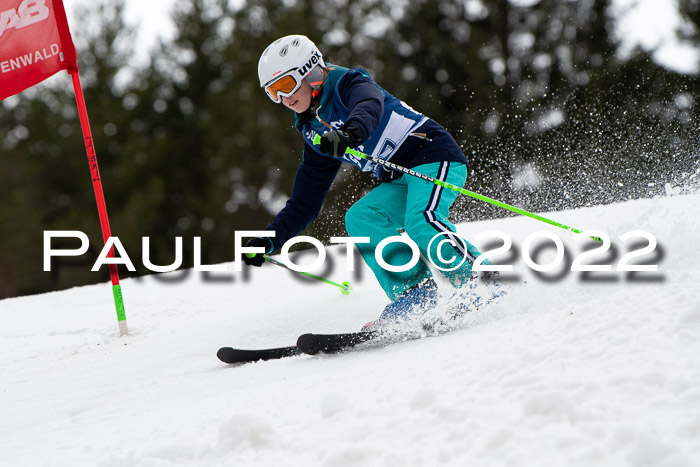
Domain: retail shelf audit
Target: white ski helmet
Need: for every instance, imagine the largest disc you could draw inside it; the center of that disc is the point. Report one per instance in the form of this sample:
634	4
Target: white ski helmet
286	63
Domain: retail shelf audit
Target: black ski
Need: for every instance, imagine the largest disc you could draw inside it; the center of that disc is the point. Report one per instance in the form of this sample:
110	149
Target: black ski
231	355
332	343
308	343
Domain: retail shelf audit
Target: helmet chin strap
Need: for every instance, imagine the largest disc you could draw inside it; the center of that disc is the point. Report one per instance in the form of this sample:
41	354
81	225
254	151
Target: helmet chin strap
315	99
315	80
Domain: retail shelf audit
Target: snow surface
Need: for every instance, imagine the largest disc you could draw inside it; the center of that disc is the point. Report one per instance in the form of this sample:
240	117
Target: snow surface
565	371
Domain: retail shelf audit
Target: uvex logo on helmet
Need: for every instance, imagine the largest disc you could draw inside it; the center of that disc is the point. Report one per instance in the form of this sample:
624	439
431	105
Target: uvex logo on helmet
310	64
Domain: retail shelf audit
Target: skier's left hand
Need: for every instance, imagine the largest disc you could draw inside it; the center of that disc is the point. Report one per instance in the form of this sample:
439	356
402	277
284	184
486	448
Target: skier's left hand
256	259
334	143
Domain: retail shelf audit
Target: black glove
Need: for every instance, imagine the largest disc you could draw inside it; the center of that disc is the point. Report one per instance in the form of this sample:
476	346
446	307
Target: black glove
257	259
334	143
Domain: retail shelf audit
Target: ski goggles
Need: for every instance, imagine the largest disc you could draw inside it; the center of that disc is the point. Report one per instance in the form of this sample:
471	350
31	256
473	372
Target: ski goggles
283	87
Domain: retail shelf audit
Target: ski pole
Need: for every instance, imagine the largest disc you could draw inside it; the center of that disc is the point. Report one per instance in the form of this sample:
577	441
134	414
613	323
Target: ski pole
391	165
345	287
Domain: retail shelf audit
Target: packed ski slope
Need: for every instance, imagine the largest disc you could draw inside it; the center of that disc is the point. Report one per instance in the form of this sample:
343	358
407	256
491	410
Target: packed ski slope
568	369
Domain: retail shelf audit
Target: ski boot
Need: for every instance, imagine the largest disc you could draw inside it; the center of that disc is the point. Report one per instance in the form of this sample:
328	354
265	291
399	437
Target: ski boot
411	303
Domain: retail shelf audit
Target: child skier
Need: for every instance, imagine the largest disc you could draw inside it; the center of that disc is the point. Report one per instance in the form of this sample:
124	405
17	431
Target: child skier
349	110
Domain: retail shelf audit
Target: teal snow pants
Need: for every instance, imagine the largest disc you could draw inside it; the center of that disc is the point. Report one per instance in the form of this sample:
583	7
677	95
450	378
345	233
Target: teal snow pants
421	208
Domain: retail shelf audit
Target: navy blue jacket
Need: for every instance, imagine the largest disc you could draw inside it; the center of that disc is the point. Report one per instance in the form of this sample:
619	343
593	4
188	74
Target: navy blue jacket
317	171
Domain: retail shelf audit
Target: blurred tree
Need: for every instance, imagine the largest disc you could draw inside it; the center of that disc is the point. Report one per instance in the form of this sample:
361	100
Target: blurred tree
533	91
690	11
176	166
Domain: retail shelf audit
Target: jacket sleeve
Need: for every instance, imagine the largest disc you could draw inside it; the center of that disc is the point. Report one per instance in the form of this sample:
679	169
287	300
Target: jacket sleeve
363	98
314	178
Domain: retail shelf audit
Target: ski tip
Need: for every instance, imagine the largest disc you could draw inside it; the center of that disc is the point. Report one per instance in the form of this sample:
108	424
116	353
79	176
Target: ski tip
226	355
231	355
308	344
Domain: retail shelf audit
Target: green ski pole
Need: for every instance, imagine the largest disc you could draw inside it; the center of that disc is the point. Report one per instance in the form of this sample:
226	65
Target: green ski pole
345	287
391	165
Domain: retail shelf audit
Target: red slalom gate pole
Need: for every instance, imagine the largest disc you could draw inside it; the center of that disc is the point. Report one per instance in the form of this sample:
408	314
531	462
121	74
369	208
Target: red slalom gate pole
100	198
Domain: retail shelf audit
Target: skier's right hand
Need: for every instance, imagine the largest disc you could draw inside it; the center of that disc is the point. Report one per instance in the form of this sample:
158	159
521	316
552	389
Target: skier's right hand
334	143
256	259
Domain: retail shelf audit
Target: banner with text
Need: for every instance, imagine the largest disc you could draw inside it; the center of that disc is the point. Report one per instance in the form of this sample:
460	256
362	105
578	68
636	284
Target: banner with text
35	43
